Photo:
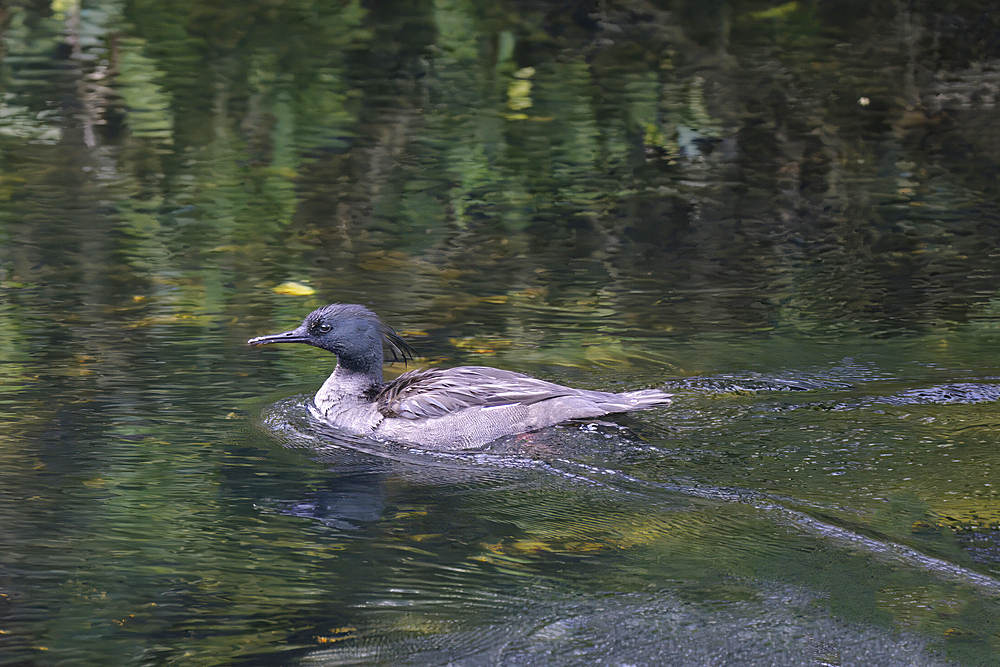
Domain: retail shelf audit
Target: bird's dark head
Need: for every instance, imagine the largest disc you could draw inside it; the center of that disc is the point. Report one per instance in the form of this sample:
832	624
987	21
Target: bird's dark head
354	333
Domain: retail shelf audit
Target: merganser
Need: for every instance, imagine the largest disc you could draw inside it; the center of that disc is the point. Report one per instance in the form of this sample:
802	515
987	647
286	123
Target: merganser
434	408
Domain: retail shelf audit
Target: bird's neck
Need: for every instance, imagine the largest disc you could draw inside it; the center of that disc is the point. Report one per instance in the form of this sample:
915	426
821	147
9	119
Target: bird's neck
352	381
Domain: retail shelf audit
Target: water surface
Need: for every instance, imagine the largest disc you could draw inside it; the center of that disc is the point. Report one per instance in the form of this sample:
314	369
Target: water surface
785	215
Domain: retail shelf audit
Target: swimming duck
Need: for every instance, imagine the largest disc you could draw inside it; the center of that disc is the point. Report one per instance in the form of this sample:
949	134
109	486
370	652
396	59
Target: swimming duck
434	408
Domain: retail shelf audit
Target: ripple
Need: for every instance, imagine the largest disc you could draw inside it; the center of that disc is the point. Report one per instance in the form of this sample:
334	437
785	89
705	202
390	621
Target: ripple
775	626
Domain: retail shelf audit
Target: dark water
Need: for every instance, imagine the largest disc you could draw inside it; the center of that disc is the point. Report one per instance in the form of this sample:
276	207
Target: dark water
785	214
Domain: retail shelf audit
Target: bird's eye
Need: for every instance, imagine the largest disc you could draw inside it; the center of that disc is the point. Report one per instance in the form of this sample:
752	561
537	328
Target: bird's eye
320	327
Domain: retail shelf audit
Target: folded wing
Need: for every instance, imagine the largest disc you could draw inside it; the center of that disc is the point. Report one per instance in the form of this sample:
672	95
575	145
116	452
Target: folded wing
436	392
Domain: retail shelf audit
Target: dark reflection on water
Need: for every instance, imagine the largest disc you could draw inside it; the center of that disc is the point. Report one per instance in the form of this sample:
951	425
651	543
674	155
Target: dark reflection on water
784	214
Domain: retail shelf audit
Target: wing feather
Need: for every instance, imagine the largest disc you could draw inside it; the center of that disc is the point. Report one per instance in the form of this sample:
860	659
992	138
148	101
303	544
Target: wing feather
436	392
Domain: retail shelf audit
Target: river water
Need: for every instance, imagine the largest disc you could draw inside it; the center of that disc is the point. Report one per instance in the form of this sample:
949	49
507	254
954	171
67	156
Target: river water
786	215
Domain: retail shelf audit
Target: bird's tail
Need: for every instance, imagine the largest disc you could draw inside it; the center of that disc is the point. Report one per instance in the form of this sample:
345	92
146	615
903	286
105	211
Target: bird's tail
636	400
